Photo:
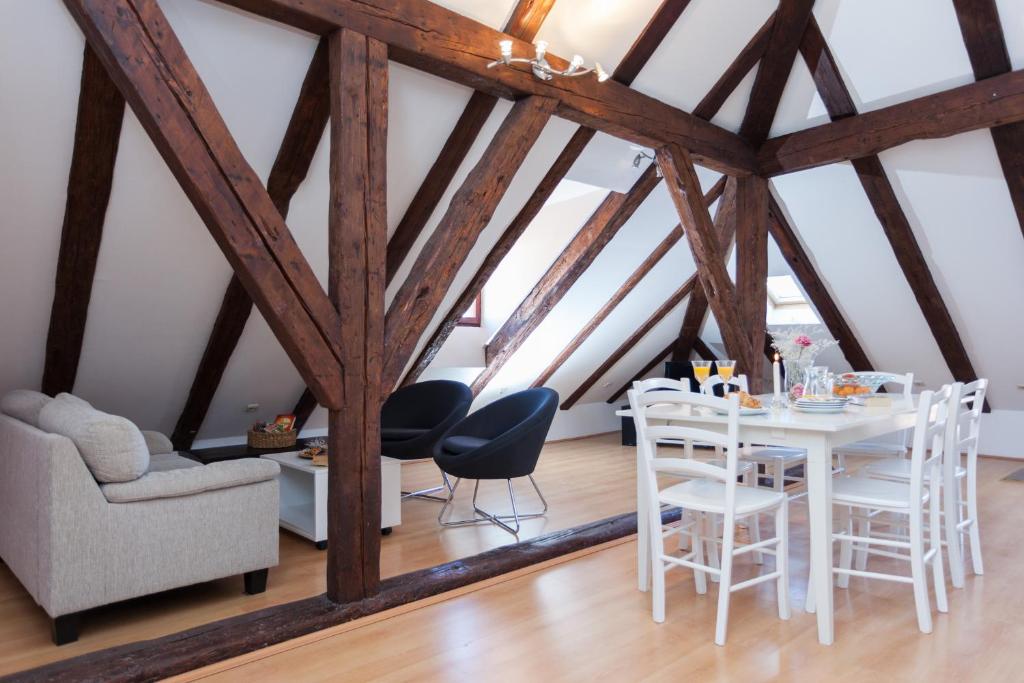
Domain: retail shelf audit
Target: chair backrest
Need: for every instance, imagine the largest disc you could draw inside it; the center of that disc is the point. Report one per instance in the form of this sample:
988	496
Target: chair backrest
426	405
735	382
972	402
933	413
649	434
662	383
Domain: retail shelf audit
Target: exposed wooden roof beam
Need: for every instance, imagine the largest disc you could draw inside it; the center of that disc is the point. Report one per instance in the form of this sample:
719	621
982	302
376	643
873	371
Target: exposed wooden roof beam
773	72
724	228
97	134
746	60
986	48
468	214
142	55
752	268
699	346
527	16
294	157
638	55
991	102
623	291
891	216
429	37
569	265
357	229
800	263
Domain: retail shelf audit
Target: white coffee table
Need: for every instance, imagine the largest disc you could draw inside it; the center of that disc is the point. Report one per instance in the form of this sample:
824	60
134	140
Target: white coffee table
303	489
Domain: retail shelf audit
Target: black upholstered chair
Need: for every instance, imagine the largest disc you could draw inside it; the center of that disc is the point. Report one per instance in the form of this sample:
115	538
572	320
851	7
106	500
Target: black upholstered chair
414	418
502	440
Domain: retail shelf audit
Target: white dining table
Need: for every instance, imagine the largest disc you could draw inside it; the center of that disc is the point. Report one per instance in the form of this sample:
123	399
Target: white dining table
818	434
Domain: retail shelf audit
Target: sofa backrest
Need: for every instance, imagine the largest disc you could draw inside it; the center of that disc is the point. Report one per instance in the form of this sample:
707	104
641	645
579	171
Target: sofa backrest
43	483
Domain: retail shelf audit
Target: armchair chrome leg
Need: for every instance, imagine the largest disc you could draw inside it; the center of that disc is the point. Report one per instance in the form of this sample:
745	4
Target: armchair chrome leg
482	516
425	494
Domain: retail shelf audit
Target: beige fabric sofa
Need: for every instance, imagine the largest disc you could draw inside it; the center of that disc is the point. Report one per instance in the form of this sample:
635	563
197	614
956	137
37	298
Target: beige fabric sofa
76	543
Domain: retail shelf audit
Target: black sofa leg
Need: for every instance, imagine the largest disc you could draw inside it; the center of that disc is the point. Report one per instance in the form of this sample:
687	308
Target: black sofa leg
256	582
65	628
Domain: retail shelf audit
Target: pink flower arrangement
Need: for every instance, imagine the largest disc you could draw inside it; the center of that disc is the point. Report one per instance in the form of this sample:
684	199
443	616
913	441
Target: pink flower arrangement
803	340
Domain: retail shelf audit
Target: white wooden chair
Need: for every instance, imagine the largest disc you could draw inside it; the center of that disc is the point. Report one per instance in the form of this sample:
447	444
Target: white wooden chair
959	479
893	447
713	491
907	499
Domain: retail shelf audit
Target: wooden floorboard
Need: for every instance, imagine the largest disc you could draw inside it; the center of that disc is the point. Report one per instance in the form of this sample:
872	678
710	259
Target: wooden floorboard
585	620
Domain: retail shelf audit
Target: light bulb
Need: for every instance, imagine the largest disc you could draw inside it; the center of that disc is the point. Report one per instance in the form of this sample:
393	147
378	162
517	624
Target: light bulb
602	75
577	61
506	47
542	48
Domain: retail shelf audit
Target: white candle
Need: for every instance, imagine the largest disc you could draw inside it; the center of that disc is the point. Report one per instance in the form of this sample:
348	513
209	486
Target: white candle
777	378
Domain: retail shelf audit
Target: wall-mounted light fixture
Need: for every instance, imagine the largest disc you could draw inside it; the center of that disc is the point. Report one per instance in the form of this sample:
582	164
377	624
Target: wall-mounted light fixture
540	66
644	154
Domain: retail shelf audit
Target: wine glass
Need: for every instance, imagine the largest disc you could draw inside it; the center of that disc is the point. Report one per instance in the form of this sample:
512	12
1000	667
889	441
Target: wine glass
725	371
701	370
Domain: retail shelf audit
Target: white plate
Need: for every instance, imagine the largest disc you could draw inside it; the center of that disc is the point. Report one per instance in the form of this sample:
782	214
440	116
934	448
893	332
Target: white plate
744	412
819	409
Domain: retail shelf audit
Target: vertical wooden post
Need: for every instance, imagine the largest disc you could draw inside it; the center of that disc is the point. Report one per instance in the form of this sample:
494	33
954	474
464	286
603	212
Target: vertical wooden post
752	269
357	245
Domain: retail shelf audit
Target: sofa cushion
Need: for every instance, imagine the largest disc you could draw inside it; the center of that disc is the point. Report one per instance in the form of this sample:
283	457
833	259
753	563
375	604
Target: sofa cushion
165	462
24	405
462	444
190	481
157	443
112	447
74	399
401	433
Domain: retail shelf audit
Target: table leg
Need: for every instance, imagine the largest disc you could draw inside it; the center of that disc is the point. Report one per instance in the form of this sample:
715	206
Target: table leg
643	555
819	503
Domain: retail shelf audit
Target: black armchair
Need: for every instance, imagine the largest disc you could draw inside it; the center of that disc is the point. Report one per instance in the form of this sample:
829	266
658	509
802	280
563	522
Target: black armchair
415	418
502	440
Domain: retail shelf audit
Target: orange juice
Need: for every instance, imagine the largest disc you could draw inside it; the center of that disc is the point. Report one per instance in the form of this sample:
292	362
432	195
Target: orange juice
702	374
725	373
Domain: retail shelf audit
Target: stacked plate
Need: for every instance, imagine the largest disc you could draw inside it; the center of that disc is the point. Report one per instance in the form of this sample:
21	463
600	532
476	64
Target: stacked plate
820	404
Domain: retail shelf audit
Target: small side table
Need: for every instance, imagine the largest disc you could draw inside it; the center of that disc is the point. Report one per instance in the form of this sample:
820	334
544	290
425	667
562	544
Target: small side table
303	489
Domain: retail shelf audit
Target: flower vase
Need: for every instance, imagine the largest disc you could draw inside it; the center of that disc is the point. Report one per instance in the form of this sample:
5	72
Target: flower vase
796	372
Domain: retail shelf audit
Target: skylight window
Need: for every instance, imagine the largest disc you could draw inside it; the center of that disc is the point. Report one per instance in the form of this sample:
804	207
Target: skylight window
783	291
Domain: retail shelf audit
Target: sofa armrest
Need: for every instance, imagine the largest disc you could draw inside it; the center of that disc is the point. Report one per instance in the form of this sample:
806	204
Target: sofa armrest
192	480
157	443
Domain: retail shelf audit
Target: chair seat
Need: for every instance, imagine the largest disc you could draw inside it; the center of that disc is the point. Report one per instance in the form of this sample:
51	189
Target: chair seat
400	433
879	448
462	444
741	467
872	493
897	469
709	496
773	454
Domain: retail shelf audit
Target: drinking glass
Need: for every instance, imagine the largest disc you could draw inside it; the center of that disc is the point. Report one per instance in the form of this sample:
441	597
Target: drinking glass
725	370
701	370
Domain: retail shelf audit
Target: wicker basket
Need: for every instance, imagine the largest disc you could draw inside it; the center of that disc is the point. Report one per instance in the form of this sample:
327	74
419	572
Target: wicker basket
272	440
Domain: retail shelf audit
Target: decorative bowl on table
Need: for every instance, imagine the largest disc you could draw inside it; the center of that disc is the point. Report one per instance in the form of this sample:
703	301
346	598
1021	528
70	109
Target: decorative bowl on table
850	384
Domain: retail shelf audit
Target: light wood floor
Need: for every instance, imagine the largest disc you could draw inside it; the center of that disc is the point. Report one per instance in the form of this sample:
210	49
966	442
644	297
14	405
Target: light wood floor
583	480
583	619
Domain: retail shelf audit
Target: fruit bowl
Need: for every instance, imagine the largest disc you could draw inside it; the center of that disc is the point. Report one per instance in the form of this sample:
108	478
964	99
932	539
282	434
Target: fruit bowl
849	384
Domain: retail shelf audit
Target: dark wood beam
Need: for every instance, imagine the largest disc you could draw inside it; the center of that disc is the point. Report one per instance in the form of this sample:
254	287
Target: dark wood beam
639	52
294	157
650	365
746	60
623	291
684	188
97	134
697	306
142	55
527	16
773	72
429	37
468	214
500	249
752	269
357	242
569	265
988	103
703	350
800	263
186	651
887	208
986	48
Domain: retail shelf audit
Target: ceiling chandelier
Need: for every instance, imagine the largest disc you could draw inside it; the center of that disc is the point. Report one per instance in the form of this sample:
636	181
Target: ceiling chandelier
540	66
